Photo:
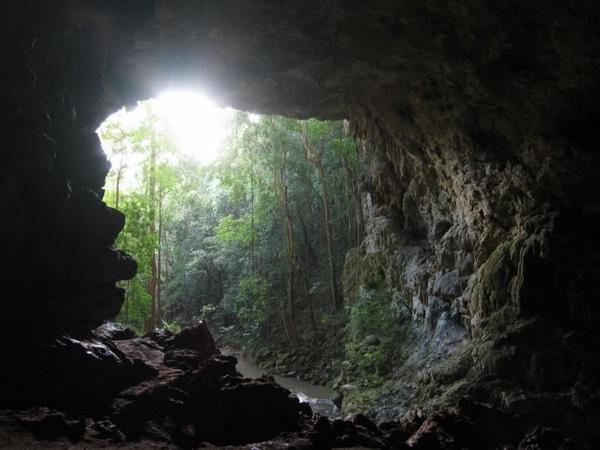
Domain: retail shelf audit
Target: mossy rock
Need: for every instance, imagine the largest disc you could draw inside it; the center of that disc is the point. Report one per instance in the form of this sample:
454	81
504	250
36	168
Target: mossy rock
282	358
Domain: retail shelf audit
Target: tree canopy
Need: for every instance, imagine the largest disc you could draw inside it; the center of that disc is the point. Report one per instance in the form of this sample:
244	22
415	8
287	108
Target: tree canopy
261	233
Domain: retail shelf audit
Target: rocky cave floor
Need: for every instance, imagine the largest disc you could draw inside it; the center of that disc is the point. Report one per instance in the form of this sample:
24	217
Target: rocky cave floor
116	390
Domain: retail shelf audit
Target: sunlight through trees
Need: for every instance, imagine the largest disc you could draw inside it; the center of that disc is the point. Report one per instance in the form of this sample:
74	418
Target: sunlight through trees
261	231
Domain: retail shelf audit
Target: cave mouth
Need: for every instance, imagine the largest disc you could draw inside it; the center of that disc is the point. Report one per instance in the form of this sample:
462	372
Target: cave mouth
477	257
245	221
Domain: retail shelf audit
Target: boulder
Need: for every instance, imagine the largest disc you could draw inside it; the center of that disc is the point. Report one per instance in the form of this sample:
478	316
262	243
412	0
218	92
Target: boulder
160	335
197	338
371	341
114	331
446	430
68	373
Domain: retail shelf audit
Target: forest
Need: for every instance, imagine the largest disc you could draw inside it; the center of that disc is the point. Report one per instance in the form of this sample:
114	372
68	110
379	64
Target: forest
254	242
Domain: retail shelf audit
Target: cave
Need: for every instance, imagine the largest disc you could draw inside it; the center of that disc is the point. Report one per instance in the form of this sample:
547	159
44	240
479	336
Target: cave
477	122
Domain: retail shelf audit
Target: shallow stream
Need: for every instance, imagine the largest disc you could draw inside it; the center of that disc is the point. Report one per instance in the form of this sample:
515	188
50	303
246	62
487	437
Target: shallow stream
320	398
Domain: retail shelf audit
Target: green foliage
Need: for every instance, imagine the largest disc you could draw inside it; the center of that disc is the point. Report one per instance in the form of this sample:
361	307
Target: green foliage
245	240
254	305
242	233
232	230
372	314
150	143
173	327
136	240
207	310
137	304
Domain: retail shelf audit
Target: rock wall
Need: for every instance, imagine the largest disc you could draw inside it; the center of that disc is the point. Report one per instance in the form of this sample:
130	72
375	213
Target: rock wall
58	265
481	224
480	162
489	260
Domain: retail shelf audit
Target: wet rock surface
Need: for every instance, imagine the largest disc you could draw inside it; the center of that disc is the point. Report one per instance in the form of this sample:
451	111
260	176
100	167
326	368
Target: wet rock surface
134	393
135	389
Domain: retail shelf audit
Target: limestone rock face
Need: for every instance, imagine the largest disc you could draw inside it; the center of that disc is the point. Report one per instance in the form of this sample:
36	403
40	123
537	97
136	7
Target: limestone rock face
480	185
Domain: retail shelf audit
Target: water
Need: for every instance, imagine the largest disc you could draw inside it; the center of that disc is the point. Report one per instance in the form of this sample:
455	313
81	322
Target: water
320	398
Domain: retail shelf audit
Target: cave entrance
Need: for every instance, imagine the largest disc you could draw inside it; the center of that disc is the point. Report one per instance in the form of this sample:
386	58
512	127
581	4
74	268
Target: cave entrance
239	218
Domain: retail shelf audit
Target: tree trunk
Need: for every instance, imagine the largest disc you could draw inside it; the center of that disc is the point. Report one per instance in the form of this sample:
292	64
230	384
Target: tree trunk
284	320
252	212
309	301
349	197
282	195
329	239
359	214
167	263
159	260
152	284
127	294
118	182
291	253
152	291
314	158
359	223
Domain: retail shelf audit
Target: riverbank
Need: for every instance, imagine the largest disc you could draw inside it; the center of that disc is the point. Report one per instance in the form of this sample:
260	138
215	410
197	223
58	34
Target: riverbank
320	398
315	360
319	361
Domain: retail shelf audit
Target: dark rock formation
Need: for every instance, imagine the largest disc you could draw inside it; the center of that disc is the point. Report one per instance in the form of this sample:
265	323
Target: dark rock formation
103	393
197	338
114	331
481	195
151	392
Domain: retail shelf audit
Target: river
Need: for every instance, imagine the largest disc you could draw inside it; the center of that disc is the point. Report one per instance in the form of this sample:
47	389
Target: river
320	398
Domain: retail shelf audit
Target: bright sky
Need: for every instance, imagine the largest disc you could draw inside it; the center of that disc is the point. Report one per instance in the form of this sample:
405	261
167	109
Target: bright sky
199	126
